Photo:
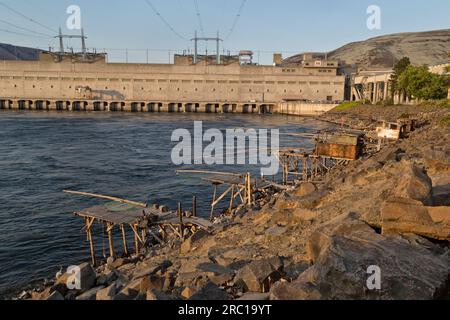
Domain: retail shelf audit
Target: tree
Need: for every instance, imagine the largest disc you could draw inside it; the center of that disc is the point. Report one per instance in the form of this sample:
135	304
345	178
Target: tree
419	82
399	68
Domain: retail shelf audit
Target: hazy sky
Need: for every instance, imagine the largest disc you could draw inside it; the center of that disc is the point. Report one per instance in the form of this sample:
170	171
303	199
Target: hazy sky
287	26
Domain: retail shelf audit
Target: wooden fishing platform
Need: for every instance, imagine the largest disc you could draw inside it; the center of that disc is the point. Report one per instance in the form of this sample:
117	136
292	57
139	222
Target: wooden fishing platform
241	188
144	222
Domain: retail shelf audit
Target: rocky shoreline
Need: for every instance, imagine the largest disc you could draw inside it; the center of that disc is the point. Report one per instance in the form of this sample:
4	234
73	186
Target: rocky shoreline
316	241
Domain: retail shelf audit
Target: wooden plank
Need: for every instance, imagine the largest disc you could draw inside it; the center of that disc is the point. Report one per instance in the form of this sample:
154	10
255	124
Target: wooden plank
93	195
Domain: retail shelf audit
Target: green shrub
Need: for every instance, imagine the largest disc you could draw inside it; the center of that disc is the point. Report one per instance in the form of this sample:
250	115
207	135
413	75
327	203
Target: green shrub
436	103
348	105
446	120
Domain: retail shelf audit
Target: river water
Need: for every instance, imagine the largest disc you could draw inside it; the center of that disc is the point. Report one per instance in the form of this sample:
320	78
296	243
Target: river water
124	155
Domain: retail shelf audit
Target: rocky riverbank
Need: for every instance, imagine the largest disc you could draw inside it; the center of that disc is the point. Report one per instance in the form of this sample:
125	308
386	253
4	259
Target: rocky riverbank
316	241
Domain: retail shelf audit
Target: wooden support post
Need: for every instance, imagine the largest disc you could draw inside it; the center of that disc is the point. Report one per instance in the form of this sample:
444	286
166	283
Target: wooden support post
212	203
180	216
89	223
136	239
124	237
232	200
110	239
194	206
249	190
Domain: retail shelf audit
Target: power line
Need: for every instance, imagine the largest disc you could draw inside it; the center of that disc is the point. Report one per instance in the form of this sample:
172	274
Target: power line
236	19
26	17
21	34
199	18
25	29
168	25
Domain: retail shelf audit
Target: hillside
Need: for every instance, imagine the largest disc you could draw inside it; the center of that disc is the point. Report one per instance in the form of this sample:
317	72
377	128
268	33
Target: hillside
382	52
10	52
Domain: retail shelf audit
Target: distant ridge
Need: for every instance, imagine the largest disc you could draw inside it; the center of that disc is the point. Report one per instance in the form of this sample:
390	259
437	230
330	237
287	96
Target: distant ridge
430	47
10	52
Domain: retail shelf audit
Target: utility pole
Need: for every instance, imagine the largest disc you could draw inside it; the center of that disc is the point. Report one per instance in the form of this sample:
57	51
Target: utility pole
61	42
62	36
218	48
196	39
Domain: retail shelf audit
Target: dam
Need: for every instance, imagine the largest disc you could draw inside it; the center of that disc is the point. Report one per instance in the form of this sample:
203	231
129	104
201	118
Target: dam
201	84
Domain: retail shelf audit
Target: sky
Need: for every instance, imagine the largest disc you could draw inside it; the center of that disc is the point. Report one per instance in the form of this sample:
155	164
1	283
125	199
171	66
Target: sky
127	29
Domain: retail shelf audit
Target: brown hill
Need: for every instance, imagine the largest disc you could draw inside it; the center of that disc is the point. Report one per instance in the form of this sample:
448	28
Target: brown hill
382	52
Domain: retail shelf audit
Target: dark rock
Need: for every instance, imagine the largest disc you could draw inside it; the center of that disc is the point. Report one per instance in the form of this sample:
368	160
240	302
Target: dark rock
90	294
293	271
153	295
254	296
130	292
55	296
151	267
258	276
191	242
305	189
87	276
210	292
152	282
107	278
107	293
217	274
294	291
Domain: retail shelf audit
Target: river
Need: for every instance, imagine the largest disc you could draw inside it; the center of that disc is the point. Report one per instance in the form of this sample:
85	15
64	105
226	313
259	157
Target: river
125	155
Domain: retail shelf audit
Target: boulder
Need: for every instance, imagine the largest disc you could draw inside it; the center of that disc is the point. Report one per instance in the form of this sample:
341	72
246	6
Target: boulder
151	267
188	292
305	189
217	274
345	250
88	277
107	293
107	278
400	215
210	292
169	281
131	291
440	214
90	294
294	291
155	295
117	263
413	183
258	276
152	282
294	270
192	241
192	264
276	231
55	296
301	214
254	296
